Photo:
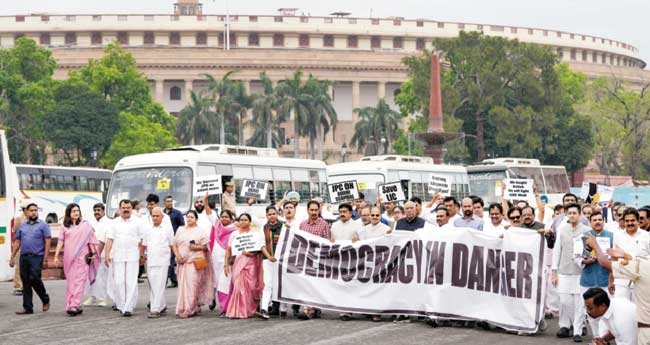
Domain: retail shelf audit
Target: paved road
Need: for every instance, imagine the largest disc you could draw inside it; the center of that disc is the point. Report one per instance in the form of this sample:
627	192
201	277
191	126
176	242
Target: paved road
102	326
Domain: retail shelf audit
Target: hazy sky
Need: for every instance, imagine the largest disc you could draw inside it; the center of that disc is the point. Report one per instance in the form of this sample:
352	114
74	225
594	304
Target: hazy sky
623	20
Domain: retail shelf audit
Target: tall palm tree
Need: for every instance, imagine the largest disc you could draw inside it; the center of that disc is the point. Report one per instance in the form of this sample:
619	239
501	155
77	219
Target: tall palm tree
377	122
321	115
219	90
266	117
196	123
241	103
295	99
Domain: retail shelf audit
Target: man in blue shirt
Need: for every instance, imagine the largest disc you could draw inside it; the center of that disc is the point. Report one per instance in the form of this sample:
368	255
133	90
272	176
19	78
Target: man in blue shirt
593	275
469	220
33	241
177	220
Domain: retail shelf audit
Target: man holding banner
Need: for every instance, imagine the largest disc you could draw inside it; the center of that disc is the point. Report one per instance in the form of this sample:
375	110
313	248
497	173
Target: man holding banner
316	226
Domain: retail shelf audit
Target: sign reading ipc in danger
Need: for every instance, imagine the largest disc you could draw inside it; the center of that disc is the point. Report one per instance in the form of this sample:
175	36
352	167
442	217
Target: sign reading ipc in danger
343	191
254	189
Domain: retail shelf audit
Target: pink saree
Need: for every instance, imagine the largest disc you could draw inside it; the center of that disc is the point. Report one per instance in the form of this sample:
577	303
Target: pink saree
78	274
195	288
247	286
220	235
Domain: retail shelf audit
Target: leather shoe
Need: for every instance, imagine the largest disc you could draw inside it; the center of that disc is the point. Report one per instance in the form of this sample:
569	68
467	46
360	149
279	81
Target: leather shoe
563	333
24	312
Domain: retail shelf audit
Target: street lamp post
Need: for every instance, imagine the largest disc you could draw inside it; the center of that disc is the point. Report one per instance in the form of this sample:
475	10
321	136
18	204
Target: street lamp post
344	151
383	145
93	156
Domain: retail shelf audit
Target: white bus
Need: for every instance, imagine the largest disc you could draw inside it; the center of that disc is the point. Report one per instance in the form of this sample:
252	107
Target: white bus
173	172
487	178
414	172
8	190
52	188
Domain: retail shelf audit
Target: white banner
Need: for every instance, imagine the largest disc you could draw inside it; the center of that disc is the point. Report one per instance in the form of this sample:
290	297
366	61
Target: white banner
391	192
255	189
457	273
210	184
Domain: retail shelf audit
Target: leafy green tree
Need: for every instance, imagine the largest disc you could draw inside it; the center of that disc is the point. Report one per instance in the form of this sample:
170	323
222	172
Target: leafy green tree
137	135
25	96
115	75
294	99
621	118
376	122
511	99
80	123
320	117
266	117
220	93
196	124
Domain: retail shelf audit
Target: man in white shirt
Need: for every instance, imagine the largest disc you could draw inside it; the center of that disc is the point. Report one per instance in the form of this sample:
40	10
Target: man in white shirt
497	224
157	241
124	252
633	241
97	292
206	216
345	229
454	208
376	228
617	317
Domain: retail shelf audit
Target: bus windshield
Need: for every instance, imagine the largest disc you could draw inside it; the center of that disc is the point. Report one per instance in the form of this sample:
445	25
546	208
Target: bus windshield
138	183
557	181
484	184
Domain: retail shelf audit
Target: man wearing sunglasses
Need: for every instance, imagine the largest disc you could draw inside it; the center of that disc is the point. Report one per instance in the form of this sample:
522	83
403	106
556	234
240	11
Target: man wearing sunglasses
644	221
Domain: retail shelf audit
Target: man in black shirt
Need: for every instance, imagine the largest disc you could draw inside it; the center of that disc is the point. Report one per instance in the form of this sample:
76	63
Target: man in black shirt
411	221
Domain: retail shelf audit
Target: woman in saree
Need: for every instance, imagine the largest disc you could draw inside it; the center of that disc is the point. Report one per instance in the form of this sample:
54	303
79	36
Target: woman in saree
77	238
219	236
195	276
247	280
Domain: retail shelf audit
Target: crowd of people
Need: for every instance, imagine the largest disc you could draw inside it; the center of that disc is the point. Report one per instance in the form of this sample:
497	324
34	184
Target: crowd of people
597	266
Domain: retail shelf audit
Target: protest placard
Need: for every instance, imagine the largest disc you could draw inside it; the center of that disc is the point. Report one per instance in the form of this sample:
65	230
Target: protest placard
519	189
391	192
250	241
343	191
210	184
440	184
254	189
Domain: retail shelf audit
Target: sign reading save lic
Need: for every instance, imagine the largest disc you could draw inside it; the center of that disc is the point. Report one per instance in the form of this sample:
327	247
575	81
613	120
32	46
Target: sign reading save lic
210	184
343	191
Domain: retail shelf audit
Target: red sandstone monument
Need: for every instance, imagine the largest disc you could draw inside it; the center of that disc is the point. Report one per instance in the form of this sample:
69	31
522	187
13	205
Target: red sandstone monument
436	136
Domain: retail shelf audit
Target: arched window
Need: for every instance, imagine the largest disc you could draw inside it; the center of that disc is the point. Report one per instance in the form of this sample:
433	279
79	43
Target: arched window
175	93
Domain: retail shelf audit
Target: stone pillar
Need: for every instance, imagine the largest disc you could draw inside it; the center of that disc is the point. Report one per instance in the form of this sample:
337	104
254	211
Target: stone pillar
381	90
159	89
355	100
188	90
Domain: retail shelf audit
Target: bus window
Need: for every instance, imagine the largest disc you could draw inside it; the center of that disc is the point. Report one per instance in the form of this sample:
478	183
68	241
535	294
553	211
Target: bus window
26	182
262	174
303	189
299	175
207	170
557	180
83	183
281	187
484	184
224	169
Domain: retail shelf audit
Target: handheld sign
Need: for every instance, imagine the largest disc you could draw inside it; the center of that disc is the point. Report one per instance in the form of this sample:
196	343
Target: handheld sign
254	189
519	189
210	184
391	192
440	184
247	242
343	191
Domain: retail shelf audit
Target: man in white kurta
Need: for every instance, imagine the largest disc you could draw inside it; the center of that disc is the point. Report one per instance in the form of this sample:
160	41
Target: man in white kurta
97	292
157	241
124	252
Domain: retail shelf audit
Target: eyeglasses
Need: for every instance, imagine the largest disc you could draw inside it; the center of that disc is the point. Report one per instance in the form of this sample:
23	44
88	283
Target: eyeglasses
515	218
642	218
375	215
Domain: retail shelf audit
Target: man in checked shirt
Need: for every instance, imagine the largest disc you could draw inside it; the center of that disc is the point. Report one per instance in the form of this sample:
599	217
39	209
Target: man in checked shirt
317	226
